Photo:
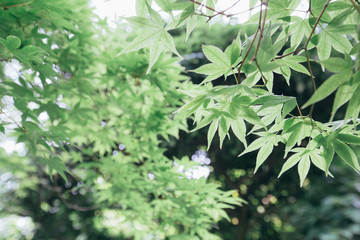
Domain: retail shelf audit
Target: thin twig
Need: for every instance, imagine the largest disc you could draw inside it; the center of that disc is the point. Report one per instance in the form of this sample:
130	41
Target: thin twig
75	206
58	191
261	32
356	7
251	44
231	6
250	9
316	23
312	79
22	128
282	56
210	8
15	5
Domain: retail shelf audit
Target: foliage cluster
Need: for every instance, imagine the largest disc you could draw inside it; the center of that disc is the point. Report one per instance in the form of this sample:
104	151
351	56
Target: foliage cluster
262	55
98	121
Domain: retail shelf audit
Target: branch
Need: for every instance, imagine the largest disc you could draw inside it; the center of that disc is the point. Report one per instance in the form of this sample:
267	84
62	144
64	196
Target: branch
210	8
261	32
217	13
312	79
15	5
251	44
22	128
297	50
316	23
356	7
76	207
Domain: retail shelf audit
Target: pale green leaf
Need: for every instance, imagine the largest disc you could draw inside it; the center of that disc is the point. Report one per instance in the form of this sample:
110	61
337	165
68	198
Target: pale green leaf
290	162
346	154
166	5
298	31
263	154
318	161
258	143
340	43
211	132
142	22
239	129
155	51
348	138
190	26
343	95
223	129
210	69
324	46
232	52
328	87
204	122
212	77
13	42
303	168
140	42
297	67
354	105
294	136
336	65
288	107
215	55
141	8
169	42
249	115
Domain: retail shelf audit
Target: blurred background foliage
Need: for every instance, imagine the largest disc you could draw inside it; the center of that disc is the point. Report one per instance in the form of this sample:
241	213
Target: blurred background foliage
34	207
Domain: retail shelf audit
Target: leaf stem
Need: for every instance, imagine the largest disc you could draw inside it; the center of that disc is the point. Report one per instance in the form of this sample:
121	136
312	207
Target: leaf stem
297	105
262	75
236	79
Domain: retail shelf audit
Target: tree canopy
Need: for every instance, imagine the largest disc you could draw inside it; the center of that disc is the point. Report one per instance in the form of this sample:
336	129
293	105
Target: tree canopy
97	109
